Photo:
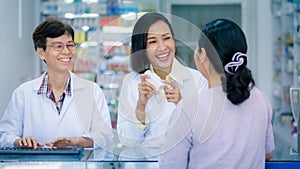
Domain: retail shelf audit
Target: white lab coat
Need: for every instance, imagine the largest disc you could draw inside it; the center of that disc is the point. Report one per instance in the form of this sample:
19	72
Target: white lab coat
85	113
158	110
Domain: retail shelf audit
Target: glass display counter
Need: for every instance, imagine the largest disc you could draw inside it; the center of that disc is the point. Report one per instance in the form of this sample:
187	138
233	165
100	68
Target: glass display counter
285	154
116	158
125	158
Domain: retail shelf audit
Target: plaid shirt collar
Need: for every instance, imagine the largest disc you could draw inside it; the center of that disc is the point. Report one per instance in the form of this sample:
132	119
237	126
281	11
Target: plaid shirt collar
45	88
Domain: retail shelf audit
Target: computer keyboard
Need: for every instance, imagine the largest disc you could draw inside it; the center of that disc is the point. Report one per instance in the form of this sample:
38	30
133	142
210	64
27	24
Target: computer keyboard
40	151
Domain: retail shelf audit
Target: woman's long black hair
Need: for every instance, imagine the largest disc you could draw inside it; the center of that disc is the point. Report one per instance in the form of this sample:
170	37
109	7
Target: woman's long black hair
222	39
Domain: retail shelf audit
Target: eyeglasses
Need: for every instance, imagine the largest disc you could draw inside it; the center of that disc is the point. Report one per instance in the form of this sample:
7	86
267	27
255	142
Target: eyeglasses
59	46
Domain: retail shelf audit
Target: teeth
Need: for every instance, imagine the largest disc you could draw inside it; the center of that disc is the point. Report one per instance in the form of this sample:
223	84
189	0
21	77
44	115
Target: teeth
164	55
64	59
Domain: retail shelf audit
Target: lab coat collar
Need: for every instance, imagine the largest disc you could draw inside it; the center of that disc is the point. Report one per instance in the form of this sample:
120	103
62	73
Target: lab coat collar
176	72
75	84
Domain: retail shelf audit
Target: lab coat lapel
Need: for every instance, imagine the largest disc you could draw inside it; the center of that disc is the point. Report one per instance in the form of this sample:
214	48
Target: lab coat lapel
83	97
67	102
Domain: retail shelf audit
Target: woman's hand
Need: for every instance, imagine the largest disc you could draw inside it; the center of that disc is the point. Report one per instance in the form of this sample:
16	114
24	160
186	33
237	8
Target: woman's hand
27	142
172	92
146	90
61	142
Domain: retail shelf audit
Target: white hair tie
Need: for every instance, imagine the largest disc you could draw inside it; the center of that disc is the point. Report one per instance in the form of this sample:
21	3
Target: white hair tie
237	60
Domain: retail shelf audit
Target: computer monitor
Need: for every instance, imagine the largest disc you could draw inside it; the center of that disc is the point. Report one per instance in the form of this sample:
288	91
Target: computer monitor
295	105
295	102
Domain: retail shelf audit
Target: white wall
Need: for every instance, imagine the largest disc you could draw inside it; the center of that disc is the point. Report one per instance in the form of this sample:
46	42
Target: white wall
264	46
17	56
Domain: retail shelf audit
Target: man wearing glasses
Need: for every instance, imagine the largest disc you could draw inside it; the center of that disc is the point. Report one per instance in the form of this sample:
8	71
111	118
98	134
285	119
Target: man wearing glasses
57	109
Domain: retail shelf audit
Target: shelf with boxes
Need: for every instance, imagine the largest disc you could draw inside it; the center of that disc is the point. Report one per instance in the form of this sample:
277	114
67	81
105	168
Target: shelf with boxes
90	19
85	21
114	38
296	58
102	31
286	64
283	42
286	50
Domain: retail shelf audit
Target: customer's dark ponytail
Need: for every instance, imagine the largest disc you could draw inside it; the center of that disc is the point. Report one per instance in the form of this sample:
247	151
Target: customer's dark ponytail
226	48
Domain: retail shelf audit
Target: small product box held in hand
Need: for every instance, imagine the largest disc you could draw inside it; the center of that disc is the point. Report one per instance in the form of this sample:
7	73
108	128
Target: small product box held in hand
155	80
